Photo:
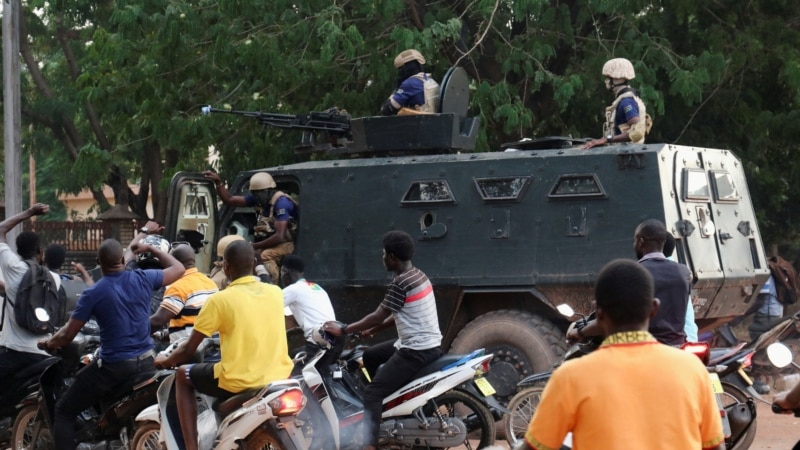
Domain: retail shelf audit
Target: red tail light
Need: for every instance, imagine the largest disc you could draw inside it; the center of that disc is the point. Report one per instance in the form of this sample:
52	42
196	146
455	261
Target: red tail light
482	368
699	349
289	403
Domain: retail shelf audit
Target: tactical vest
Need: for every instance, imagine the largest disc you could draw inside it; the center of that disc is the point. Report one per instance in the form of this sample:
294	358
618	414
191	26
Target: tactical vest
431	89
265	226
637	131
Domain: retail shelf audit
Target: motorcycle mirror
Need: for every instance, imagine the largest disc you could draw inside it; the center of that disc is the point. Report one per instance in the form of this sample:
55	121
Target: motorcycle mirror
779	355
41	315
565	310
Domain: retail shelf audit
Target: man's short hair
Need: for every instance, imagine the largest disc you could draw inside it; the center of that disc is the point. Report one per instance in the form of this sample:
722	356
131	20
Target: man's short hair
293	263
400	244
652	230
54	256
109	253
624	290
28	244
669	245
240	257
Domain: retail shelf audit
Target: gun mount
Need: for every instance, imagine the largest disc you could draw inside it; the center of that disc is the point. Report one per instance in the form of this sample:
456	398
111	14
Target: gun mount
333	131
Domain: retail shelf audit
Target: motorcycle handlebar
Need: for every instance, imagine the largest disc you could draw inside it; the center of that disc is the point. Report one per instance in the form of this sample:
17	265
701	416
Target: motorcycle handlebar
778	410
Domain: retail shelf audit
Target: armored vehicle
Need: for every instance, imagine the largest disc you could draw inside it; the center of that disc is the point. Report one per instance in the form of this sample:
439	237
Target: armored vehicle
505	236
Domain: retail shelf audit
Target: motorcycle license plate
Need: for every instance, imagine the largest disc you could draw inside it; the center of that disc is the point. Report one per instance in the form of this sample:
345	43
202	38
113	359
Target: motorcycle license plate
716	385
484	386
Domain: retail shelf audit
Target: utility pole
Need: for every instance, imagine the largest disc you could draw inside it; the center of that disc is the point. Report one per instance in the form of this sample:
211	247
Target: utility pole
12	113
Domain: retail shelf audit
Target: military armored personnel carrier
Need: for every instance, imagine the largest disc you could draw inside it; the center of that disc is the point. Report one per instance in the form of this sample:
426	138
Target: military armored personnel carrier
505	236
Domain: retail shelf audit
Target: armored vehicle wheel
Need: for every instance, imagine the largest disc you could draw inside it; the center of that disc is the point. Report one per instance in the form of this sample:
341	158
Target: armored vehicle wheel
522	344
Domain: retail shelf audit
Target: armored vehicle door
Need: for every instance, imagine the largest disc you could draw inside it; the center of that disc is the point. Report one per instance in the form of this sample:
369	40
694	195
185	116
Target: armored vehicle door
716	230
191	215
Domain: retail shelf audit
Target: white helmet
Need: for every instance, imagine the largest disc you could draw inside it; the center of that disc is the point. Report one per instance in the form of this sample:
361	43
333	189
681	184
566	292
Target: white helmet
619	68
147	260
261	180
225	241
408	55
322	338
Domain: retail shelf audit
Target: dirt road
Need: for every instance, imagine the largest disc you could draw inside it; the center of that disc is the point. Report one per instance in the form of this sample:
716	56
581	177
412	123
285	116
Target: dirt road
775	431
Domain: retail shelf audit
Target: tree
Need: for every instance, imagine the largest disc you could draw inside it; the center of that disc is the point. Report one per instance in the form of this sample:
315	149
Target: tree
118	85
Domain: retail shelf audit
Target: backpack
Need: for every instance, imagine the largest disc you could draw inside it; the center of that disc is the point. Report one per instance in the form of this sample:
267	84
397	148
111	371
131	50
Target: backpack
38	290
786	282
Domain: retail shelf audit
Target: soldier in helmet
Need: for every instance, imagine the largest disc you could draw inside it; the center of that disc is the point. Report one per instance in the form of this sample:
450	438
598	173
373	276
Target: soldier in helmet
417	91
626	118
277	217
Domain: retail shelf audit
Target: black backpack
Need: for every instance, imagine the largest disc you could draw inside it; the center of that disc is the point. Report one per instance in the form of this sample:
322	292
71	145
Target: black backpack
38	290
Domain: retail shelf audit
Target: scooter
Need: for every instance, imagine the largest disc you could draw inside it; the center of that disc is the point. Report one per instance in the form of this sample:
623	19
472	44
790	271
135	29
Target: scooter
254	418
439	408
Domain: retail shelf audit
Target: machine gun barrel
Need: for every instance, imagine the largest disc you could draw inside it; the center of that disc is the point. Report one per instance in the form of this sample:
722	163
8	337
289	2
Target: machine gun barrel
334	123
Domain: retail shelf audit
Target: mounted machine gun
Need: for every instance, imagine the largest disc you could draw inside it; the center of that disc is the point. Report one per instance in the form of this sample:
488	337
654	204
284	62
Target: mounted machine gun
334	131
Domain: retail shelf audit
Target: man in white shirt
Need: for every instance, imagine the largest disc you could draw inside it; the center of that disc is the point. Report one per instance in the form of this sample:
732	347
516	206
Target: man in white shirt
307	302
18	346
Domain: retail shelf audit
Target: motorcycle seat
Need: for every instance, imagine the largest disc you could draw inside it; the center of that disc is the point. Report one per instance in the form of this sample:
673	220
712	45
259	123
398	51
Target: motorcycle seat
437	365
34	369
231	404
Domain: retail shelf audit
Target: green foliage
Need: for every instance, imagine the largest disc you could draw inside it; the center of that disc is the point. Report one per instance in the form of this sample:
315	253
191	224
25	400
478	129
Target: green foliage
723	75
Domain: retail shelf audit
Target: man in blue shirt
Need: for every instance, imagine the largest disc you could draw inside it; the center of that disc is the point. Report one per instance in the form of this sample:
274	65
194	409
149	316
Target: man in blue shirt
277	217
120	302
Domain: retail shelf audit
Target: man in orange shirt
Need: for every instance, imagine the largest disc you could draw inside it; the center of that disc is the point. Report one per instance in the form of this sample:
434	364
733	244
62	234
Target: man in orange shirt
633	392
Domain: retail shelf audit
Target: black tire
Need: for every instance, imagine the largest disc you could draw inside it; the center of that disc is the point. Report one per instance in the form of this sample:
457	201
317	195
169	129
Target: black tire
522	344
146	437
29	432
731	395
477	417
520	412
314	425
263	439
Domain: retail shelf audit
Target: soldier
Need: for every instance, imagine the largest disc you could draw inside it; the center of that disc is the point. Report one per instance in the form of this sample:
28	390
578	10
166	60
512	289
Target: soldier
417	91
275	229
626	118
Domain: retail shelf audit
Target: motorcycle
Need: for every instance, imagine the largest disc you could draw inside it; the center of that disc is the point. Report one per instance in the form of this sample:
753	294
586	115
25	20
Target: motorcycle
25	382
257	418
444	406
105	425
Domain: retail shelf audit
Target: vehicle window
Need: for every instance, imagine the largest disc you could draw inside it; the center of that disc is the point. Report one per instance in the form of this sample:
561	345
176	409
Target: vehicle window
577	185
433	191
724	187
695	185
196	204
498	189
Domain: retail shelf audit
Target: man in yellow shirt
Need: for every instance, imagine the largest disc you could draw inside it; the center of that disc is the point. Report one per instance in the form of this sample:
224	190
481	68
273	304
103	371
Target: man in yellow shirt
633	392
248	315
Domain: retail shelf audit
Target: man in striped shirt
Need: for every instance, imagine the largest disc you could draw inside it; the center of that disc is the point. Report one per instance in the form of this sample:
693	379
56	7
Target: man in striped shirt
183	298
410	305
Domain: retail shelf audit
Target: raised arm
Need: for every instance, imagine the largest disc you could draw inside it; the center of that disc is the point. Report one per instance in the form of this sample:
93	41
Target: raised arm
37	209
